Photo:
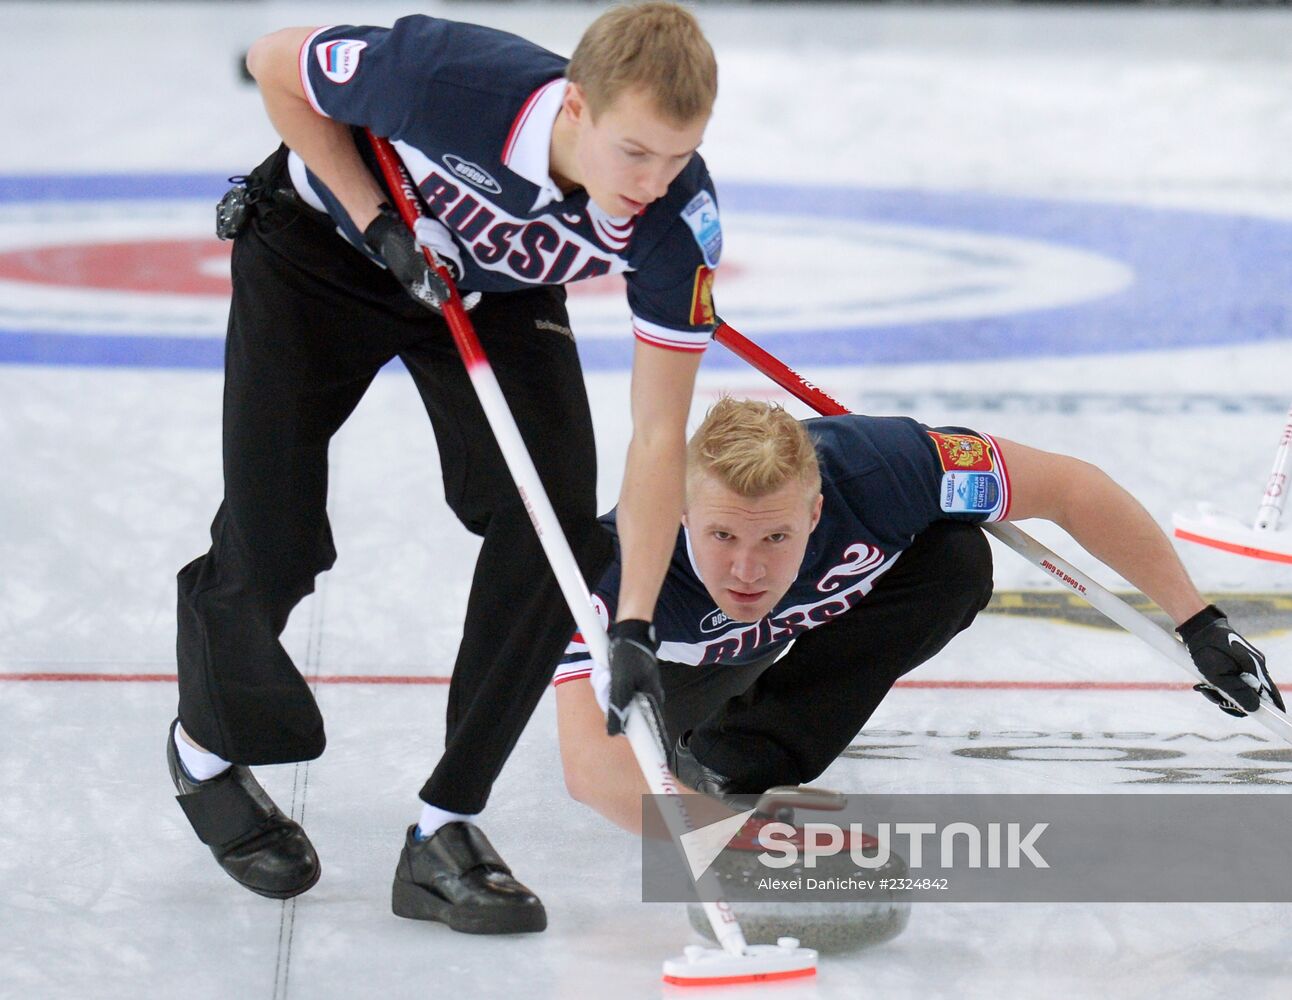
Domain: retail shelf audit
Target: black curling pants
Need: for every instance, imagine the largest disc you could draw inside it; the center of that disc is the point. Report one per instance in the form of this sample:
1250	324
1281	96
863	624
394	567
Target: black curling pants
311	323
782	723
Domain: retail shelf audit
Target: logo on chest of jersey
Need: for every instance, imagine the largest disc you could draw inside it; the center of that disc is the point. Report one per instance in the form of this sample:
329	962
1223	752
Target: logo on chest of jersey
471	173
715	621
541	251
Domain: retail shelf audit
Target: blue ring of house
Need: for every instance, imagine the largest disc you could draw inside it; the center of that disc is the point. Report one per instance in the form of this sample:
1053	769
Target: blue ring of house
1196	279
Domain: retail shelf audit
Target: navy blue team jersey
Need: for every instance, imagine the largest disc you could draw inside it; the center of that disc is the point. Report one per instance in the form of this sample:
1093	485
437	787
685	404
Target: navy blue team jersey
470	111
884	480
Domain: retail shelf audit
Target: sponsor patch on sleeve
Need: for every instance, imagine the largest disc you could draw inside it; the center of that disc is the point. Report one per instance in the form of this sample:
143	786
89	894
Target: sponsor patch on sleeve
963	453
701	214
970	492
339	59
702	313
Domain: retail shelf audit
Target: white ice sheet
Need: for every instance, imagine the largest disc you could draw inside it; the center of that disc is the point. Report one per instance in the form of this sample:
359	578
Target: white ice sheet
110	477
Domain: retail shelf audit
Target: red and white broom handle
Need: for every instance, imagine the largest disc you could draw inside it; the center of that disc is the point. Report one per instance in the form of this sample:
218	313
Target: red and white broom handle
1276	487
1029	548
646	742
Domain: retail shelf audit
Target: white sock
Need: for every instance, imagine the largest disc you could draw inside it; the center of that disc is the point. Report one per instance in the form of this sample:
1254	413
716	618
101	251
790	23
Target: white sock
433	817
200	764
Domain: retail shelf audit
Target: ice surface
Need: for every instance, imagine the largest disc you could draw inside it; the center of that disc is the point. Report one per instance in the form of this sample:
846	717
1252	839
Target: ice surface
111	475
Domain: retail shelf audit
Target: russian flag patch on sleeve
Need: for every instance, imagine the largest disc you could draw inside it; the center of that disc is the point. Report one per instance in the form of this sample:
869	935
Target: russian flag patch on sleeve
339	59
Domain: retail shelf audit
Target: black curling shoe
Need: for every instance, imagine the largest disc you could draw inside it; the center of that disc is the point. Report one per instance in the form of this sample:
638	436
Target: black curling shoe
457	878
254	842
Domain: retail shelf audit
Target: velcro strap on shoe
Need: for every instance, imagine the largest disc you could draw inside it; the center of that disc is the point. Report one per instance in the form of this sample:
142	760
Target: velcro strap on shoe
228	810
466	847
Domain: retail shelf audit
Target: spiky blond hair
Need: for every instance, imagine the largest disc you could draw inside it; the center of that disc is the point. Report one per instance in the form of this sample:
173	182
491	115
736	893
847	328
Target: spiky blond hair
655	46
753	448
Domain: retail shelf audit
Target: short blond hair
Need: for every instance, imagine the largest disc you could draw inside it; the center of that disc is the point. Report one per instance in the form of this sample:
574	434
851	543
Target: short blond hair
753	448
656	46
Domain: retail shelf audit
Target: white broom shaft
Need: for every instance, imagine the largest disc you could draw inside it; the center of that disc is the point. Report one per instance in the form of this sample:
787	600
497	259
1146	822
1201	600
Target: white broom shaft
1132	620
539	508
647	742
1276	487
644	741
1102	600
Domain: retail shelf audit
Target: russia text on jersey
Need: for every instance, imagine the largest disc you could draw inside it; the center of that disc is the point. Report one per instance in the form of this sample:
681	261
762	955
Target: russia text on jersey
744	639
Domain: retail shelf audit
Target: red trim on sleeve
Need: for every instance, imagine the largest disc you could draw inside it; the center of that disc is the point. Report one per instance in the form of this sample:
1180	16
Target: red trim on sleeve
302	64
679	346
1004	478
561	679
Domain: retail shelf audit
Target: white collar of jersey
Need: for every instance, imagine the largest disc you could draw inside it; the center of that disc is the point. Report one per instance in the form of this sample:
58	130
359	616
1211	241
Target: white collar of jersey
529	146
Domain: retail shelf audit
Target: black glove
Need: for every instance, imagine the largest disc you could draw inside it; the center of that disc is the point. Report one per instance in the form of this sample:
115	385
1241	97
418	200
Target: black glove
394	243
633	669
1234	668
